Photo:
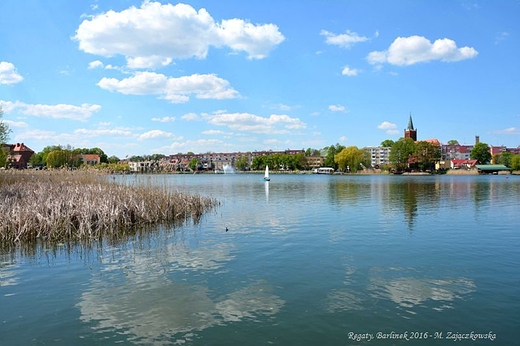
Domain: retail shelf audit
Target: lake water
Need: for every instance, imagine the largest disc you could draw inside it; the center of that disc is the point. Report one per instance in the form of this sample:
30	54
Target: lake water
307	260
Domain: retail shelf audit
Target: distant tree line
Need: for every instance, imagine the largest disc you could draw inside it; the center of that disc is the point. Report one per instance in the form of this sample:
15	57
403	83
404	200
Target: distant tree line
57	156
141	158
278	161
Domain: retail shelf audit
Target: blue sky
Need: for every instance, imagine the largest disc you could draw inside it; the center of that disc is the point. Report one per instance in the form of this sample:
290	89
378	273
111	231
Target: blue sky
138	78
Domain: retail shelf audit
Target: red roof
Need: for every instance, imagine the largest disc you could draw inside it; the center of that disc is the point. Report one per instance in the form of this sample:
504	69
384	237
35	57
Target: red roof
461	163
433	141
19	147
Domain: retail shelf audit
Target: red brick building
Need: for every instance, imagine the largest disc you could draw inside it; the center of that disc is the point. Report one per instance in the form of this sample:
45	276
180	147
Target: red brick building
18	155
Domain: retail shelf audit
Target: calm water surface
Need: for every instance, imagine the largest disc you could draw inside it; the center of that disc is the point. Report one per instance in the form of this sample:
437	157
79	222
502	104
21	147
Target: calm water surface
306	260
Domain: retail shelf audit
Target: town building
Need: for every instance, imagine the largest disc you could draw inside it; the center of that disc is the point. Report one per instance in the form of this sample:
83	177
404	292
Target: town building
314	161
379	156
90	159
18	155
463	164
410	131
455	152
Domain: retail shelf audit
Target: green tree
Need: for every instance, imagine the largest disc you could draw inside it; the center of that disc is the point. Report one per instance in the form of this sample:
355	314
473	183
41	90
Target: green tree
57	158
426	154
515	163
37	160
453	142
136	158
351	159
194	164
241	163
258	163
3	156
504	158
299	161
4	129
46	152
113	159
4	137
157	157
63	157
401	152
387	143
331	152
279	161
312	152
481	153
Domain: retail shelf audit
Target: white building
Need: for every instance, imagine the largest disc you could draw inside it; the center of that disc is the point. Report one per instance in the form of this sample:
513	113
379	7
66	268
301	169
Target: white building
379	155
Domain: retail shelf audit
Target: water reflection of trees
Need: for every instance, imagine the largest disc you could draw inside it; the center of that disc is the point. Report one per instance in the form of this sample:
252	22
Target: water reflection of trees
348	190
408	194
400	195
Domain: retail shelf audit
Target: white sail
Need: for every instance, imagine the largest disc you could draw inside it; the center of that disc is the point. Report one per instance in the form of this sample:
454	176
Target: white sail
266	174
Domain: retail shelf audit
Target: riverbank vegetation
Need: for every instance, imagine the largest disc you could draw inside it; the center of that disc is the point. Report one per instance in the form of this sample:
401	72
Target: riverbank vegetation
77	205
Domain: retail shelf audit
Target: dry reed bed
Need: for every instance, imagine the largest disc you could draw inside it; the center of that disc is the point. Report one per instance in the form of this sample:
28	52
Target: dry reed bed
59	207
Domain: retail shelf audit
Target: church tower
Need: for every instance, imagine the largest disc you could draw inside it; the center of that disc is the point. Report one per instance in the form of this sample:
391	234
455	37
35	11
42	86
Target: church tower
410	132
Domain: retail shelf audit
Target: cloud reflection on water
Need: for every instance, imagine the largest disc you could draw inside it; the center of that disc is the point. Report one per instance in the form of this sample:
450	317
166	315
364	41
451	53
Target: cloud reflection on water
8	274
135	293
402	288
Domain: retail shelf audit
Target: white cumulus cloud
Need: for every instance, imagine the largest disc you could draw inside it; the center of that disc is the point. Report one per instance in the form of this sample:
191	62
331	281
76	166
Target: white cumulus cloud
47	137
102	132
95	64
199	145
18	124
389	127
213	132
59	111
345	40
164	119
175	90
337	108
190	117
9	73
274	124
508	131
415	49
347	71
154	134
155	33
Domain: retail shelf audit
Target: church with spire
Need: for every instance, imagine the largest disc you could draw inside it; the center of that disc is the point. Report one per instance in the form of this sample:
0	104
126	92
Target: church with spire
410	131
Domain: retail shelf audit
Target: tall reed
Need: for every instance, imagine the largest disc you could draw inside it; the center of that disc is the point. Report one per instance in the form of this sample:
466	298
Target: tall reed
60	206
